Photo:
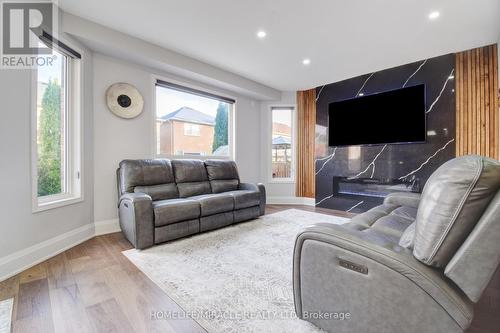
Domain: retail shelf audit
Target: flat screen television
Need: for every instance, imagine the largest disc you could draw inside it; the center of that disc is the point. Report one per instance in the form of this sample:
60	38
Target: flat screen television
396	116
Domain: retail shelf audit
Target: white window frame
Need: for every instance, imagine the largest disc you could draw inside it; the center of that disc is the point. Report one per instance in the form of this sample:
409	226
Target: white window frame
269	149
74	141
231	121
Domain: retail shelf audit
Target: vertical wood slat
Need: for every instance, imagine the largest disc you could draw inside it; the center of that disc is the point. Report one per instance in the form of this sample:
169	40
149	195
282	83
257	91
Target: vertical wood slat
306	123
495	102
486	99
477	117
458	120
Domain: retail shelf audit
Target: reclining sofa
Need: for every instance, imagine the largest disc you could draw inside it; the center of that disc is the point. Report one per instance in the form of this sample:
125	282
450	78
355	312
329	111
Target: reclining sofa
417	263
160	200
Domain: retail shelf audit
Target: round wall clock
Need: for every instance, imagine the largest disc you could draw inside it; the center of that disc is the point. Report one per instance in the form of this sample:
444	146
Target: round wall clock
124	100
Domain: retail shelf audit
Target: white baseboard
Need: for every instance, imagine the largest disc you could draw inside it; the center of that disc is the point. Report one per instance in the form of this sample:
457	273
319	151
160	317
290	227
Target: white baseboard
19	261
291	201
107	227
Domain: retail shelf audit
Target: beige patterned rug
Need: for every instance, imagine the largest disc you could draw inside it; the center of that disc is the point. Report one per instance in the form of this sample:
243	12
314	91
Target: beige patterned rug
235	279
6	315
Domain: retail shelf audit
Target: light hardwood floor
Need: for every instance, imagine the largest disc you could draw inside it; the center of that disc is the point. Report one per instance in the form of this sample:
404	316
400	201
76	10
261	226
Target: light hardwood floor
94	288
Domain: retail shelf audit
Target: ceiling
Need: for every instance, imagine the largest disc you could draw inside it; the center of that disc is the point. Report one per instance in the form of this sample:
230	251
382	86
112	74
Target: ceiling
342	38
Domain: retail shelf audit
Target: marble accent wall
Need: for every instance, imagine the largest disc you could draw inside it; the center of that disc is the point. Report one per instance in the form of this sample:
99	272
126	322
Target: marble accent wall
406	165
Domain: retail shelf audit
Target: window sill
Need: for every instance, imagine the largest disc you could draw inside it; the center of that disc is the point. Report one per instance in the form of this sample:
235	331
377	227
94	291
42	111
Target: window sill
195	157
56	203
282	181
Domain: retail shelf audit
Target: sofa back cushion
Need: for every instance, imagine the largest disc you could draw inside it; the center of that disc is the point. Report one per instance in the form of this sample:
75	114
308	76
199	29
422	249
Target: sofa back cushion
223	175
453	200
153	177
191	177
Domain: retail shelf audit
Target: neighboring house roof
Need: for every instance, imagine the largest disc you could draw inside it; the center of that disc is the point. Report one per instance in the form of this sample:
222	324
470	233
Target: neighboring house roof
221	151
281	140
281	129
190	115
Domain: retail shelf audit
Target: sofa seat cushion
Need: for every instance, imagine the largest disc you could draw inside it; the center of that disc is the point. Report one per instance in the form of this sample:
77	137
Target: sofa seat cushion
405	212
382	237
383	225
368	218
214	203
392	224
245	198
175	210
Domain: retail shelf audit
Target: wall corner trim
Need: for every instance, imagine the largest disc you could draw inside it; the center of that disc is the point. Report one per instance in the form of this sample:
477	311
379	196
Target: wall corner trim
107	227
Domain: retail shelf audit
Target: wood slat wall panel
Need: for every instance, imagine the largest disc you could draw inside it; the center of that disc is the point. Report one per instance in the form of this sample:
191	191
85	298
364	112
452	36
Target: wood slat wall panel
477	102
306	123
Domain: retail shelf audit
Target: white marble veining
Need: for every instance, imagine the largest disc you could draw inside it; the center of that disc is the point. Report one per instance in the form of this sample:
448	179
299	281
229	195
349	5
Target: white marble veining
427	161
319	93
450	77
419	67
356	205
364	84
326	160
371	165
325	198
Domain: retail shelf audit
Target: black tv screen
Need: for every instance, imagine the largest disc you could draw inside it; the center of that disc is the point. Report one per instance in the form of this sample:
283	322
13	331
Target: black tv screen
396	116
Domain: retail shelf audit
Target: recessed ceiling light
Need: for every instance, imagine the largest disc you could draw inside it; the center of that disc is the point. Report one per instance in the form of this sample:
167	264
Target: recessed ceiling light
306	61
261	34
434	15
361	94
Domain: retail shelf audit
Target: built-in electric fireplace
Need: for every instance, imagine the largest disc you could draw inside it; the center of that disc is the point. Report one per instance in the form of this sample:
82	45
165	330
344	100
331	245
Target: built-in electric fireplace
373	188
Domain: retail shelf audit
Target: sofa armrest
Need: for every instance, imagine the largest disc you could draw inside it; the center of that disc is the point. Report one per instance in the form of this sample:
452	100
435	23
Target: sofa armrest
259	187
136	219
341	269
409	199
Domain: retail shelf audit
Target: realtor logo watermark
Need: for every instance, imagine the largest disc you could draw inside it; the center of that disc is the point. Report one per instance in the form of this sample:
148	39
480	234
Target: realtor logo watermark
23	23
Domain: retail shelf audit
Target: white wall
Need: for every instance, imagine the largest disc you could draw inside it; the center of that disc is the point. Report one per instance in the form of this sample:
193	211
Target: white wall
117	139
19	227
278	192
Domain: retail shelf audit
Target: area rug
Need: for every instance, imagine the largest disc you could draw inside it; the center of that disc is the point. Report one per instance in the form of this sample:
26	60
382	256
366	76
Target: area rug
6	315
235	279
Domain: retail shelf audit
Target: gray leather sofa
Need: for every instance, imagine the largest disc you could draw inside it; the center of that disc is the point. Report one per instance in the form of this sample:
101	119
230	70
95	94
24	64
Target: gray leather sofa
161	200
417	263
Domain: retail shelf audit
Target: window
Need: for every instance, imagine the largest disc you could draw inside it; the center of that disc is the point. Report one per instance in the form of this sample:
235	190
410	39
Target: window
190	122
191	129
282	143
56	131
